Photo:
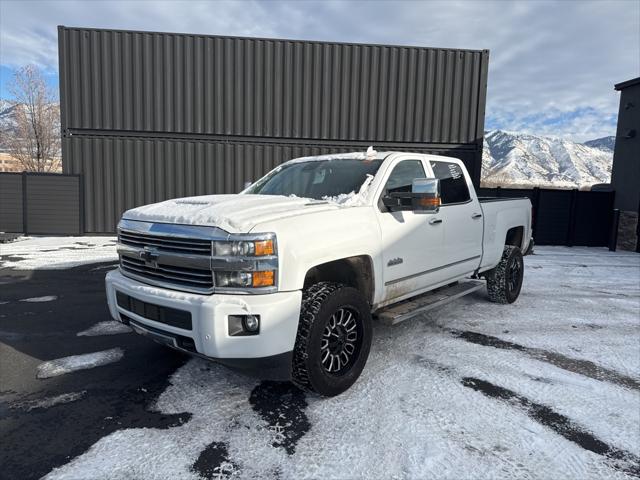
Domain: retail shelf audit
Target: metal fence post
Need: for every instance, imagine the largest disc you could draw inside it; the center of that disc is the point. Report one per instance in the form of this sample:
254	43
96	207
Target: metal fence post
613	235
24	203
535	204
638	230
571	231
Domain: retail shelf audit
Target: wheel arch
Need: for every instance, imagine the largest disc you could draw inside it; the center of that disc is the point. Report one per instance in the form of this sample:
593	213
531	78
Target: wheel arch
355	271
515	237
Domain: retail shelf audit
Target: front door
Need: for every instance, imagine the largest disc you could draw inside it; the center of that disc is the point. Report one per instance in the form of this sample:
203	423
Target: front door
411	241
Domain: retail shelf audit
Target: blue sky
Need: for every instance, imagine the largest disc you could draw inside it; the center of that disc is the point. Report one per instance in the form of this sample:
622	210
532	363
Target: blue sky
552	68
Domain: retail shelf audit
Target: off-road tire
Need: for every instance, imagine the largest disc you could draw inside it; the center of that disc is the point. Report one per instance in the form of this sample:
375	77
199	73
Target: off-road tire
319	303
498	285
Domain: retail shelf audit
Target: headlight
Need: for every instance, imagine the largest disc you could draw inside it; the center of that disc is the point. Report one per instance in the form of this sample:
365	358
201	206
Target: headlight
245	279
245	263
244	248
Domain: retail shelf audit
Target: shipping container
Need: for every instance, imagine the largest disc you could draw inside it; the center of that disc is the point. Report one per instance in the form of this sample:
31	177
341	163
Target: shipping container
148	116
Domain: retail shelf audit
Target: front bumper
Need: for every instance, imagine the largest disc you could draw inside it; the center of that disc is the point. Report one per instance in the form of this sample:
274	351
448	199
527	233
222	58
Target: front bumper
268	351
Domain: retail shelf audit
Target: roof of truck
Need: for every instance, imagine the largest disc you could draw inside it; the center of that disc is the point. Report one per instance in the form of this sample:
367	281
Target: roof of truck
370	154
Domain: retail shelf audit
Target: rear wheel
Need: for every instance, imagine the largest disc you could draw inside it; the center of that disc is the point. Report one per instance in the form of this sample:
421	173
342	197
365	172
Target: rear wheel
504	282
333	340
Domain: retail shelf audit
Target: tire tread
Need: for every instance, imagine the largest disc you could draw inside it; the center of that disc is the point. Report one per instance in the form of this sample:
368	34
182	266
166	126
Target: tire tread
312	300
497	277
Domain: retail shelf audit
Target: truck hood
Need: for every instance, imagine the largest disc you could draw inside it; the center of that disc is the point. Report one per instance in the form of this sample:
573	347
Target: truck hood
232	213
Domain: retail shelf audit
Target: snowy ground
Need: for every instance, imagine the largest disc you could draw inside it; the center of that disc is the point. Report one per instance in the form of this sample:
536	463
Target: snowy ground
29	253
546	388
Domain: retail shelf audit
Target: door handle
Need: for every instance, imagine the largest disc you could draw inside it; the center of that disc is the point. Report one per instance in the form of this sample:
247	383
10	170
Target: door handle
476	215
435	221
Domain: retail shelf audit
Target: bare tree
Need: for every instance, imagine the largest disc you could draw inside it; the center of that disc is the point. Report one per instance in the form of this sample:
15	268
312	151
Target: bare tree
35	141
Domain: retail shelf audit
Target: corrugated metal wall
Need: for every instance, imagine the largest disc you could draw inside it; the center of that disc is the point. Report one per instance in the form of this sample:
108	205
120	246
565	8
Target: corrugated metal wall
202	114
123	172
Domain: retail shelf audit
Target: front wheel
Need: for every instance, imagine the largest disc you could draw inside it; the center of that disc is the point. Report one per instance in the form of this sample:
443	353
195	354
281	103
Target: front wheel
333	340
504	282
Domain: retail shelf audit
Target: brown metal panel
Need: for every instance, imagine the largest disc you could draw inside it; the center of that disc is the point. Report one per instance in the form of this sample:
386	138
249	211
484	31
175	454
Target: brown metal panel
482	97
116	81
373	73
95	113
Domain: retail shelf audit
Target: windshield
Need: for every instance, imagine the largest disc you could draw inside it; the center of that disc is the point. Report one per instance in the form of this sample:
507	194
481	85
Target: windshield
316	178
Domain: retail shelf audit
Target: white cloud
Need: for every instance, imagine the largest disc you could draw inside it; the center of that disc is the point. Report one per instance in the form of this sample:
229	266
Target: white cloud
545	55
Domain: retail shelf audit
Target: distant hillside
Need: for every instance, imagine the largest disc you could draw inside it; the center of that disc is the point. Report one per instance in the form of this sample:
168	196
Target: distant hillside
606	144
7	122
522	159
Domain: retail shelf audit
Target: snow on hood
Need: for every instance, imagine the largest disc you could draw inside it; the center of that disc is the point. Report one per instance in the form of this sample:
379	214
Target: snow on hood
232	213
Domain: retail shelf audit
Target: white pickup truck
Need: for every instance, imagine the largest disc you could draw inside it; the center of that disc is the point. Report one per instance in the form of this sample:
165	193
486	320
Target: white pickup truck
286	276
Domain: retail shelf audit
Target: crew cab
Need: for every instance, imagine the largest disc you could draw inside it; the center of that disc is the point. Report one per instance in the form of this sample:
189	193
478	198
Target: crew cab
287	276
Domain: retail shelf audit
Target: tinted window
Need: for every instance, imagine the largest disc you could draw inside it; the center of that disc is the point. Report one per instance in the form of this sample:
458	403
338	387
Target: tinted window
317	178
453	185
403	175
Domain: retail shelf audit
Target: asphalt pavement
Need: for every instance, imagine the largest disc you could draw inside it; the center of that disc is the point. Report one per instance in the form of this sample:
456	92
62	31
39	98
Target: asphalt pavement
118	395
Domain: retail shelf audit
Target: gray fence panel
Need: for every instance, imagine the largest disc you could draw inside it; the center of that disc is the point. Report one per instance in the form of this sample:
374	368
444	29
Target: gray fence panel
113	80
53	204
565	217
11	202
41	204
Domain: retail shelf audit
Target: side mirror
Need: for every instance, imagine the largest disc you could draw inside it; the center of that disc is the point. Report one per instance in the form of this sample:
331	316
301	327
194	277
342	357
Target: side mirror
425	195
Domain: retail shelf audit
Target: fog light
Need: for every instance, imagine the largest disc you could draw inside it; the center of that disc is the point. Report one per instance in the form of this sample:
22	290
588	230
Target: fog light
251	323
243	325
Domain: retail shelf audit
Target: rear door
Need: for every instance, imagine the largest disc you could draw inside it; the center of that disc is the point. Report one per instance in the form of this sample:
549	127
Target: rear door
462	219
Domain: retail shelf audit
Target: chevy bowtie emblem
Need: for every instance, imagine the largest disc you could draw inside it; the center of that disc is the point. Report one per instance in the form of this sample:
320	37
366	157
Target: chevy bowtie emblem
150	256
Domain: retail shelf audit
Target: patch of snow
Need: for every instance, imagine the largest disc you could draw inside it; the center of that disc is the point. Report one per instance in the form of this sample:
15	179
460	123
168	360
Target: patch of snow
410	416
55	253
332	156
109	327
49	402
352	199
48	298
61	366
371	153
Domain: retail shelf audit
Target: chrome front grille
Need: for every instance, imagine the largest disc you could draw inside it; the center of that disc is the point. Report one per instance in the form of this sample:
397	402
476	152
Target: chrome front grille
170	244
175	257
191	279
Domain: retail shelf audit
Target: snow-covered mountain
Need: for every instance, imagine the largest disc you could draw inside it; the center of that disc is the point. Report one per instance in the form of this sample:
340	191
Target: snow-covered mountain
521	159
605	143
7	121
